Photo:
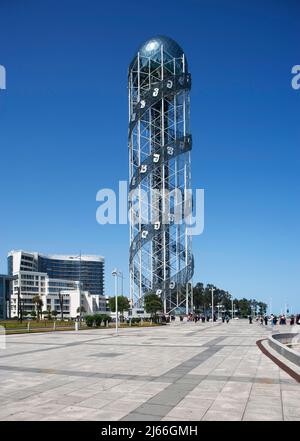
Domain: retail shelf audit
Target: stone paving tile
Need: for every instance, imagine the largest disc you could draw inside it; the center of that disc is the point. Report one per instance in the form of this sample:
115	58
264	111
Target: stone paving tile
67	400
291	418
154	409
24	416
94	403
228	405
140	417
264	401
259	416
191	403
47	408
105	415
77	412
291	411
124	405
183	412
222	415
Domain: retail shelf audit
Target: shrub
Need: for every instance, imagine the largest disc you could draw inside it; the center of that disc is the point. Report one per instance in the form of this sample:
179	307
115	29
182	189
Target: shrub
89	320
106	318
98	318
135	320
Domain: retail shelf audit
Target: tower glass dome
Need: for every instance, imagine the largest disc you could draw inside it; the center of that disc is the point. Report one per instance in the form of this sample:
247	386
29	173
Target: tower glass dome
152	49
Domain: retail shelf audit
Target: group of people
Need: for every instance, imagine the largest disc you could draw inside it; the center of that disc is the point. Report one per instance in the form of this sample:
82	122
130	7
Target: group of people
206	318
263	319
273	319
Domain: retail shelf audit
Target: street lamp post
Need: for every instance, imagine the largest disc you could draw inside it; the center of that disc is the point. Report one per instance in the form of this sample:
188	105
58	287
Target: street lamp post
19	304
232	310
115	275
219	305
212	304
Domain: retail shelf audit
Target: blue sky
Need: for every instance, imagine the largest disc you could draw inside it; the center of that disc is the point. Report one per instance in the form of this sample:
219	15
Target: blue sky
63	131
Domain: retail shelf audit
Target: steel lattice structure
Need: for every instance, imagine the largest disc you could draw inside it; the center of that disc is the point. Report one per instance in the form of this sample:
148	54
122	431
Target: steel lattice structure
160	143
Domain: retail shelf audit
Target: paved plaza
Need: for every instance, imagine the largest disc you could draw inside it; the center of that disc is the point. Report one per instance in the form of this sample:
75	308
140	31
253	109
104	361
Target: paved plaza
178	372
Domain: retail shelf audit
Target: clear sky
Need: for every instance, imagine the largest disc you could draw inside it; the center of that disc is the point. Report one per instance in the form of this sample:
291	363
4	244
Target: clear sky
63	131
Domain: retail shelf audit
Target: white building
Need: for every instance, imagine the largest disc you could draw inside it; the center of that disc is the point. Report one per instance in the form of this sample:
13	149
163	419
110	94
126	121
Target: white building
29	282
49	290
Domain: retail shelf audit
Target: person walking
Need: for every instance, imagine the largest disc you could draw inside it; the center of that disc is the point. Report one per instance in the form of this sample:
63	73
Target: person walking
266	320
250	320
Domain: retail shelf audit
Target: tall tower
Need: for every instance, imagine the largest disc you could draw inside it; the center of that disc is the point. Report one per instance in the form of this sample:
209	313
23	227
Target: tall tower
160	143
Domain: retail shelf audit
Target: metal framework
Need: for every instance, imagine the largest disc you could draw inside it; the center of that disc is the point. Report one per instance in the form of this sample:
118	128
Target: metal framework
160	143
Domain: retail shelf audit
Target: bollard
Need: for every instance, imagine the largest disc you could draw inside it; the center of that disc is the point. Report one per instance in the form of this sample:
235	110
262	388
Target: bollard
28	326
54	325
76	326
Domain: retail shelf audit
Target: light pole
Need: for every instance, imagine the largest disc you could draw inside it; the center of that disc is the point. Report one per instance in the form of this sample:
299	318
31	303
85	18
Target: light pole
232	310
212	304
115	275
219	305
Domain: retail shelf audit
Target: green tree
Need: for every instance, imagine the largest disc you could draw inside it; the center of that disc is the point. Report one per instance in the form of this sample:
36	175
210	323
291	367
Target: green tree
81	310
38	302
49	312
123	304
54	313
198	296
152	304
262	308
244	307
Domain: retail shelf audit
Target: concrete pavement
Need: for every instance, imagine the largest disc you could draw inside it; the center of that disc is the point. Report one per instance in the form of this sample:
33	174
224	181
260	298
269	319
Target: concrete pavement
178	372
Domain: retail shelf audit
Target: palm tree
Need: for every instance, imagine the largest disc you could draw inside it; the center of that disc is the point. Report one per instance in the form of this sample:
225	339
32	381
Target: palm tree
38	304
81	310
49	312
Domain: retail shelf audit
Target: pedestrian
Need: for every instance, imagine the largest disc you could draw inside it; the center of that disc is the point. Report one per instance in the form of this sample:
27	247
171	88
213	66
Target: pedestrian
261	320
250	320
266	320
227	318
292	320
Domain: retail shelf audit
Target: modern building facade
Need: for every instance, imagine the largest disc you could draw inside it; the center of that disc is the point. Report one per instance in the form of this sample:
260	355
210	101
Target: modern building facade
88	269
5	294
160	143
56	279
